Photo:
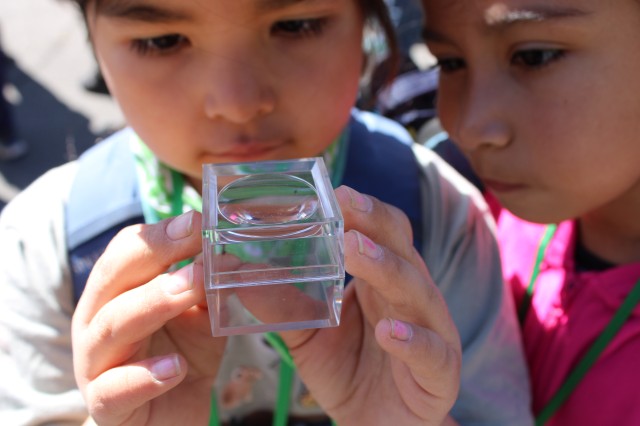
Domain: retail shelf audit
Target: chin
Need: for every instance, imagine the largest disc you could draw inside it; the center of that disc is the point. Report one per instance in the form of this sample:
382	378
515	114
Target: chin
539	213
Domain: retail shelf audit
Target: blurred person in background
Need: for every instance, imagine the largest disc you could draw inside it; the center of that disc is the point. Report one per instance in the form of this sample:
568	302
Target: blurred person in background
11	147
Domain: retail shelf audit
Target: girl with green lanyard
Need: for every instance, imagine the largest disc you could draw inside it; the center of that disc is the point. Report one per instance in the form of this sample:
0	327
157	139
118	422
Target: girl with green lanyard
215	81
542	98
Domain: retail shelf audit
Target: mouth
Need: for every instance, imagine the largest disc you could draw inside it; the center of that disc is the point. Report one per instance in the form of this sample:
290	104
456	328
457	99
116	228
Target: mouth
496	185
500	187
245	149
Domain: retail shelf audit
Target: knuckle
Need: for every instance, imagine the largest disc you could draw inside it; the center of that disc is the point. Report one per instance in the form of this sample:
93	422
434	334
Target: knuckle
102	327
97	405
403	222
396	265
129	233
395	269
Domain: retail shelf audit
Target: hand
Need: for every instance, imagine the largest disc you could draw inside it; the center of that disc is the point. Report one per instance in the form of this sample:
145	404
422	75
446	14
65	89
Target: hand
395	358
142	346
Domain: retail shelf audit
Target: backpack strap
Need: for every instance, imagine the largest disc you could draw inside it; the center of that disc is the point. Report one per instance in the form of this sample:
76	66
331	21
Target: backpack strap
442	145
103	199
381	163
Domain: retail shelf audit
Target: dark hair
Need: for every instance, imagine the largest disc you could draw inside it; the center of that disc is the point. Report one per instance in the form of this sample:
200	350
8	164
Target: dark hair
377	13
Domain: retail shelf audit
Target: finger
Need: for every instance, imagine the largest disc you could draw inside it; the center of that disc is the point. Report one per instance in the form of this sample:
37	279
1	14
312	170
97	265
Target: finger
288	303
113	396
136	255
112	335
408	292
382	222
426	360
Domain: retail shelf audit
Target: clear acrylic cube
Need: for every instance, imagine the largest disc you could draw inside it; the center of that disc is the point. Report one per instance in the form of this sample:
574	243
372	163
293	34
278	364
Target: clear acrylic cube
273	246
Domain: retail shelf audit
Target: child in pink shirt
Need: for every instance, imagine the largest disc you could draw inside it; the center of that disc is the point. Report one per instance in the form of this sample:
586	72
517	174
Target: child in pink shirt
575	297
543	98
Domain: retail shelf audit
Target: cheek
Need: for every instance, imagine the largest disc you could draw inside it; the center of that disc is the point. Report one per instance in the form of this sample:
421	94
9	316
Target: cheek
447	105
146	111
344	85
323	96
160	117
151	97
324	112
342	65
133	86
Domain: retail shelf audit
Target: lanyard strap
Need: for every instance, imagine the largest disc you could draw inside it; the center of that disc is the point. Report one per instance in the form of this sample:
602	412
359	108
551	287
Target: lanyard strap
287	372
597	347
528	296
612	328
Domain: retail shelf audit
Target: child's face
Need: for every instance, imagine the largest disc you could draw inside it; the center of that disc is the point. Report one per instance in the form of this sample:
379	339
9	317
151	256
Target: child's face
231	80
544	98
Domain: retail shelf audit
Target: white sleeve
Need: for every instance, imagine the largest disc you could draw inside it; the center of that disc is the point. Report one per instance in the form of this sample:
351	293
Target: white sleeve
460	249
36	305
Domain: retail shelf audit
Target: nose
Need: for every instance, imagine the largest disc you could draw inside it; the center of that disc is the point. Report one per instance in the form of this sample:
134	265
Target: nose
238	91
483	113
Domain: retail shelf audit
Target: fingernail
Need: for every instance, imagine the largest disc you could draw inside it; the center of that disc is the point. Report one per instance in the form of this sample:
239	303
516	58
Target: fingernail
166	368
360	202
368	247
400	330
180	281
180	226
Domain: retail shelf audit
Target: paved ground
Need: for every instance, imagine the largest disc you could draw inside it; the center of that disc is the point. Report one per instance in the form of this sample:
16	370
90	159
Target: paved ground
59	119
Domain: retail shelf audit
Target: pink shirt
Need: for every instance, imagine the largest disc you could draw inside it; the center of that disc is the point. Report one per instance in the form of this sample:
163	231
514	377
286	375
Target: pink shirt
568	312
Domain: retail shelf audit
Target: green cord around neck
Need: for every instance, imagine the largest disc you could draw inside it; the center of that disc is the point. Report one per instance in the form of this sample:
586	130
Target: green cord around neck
597	347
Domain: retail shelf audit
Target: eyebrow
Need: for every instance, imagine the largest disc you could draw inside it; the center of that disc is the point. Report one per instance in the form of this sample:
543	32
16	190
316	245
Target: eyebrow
136	10
269	5
501	18
143	11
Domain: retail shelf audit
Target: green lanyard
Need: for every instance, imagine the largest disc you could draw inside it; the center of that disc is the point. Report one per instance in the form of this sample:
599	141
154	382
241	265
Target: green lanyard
526	301
287	372
598	346
287	366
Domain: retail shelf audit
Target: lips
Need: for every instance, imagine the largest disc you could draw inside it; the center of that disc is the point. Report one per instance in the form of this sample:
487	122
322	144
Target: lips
249	148
489	181
502	187
243	149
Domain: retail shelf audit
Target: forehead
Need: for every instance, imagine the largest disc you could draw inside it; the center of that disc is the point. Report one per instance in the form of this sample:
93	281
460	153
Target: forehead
495	12
167	11
102	6
173	11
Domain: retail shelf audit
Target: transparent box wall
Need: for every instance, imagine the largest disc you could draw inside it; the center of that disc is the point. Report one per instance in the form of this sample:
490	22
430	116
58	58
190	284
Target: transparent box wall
273	245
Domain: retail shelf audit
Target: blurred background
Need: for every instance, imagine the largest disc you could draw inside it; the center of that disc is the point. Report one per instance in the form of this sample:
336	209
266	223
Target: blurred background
48	62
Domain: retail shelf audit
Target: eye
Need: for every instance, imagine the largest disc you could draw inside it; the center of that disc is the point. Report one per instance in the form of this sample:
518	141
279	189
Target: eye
536	58
450	65
159	45
299	27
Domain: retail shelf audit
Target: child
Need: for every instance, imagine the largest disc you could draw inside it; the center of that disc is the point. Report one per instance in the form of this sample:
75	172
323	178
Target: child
543	98
204	81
